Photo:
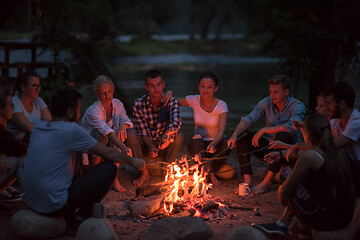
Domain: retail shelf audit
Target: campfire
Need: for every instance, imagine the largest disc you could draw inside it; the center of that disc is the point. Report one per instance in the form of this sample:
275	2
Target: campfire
187	188
184	192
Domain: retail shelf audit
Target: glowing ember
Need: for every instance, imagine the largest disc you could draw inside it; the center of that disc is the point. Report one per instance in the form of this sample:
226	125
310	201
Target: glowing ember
189	185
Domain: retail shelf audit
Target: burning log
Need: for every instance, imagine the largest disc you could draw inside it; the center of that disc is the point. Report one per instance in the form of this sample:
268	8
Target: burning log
146	207
149	190
208	205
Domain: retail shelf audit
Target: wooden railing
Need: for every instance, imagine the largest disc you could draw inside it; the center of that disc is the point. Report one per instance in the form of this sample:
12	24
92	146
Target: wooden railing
5	64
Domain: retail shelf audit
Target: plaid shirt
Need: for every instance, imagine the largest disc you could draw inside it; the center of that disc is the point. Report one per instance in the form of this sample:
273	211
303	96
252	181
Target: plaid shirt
146	118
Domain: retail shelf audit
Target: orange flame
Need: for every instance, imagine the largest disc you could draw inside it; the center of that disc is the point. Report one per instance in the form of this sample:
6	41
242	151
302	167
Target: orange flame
186	187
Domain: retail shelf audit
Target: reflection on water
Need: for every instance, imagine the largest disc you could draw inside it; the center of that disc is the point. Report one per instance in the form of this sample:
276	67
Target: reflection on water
190	59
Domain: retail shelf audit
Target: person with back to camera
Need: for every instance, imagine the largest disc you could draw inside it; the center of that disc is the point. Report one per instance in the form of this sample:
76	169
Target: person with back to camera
318	191
106	120
28	109
49	186
210	117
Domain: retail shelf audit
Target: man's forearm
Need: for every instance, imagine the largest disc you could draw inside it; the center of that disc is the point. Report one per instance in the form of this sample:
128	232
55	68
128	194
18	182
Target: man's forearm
118	157
274	129
240	128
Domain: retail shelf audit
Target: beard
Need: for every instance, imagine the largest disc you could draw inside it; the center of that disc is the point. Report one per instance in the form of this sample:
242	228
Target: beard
336	113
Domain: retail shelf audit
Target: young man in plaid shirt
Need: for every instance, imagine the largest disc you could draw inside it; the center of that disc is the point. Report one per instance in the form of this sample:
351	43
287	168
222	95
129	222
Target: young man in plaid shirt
157	122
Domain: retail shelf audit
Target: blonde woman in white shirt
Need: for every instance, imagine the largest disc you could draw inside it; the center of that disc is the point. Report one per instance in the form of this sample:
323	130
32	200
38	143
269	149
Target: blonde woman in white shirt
106	120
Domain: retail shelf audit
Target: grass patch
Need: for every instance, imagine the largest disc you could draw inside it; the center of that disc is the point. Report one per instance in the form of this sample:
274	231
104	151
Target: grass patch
9	35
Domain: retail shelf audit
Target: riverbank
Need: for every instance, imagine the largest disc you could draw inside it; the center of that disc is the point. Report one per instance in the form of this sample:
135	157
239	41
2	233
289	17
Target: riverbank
249	46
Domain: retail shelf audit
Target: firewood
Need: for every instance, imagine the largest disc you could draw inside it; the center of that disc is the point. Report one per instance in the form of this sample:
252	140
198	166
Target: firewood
208	205
148	190
147	206
182	214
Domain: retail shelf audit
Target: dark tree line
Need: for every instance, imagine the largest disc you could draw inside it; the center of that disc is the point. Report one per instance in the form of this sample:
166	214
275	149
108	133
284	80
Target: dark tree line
318	40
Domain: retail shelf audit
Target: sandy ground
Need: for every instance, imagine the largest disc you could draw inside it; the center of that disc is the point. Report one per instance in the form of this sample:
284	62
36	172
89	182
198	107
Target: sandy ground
126	227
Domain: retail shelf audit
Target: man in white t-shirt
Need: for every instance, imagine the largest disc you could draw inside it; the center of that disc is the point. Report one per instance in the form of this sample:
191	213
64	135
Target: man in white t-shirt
345	125
49	186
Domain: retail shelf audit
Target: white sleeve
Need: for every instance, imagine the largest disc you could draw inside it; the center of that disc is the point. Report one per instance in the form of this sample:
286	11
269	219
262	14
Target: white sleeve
95	119
352	130
191	100
223	107
17	105
40	103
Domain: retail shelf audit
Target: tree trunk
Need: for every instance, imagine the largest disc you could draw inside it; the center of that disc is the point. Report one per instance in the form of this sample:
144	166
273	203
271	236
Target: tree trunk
192	28
219	28
205	27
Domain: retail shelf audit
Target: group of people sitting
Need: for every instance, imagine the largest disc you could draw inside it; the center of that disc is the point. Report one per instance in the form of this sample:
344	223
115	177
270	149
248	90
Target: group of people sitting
54	183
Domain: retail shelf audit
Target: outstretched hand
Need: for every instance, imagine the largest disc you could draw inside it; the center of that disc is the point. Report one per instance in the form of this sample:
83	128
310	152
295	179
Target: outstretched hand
153	152
138	163
127	151
211	148
272	157
297	124
122	135
231	143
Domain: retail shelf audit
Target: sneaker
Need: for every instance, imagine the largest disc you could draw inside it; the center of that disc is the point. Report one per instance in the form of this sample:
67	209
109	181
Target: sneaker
14	192
8	197
272	230
6	210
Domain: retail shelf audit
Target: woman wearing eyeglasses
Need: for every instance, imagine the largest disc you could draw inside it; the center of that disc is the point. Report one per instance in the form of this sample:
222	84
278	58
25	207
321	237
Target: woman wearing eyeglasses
29	107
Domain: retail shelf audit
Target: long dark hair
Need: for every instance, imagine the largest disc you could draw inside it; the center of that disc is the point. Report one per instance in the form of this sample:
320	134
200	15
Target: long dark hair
23	79
339	177
211	76
4	94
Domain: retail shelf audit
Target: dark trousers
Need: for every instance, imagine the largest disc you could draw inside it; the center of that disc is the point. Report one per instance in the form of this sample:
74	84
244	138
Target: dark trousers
197	145
88	188
244	145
